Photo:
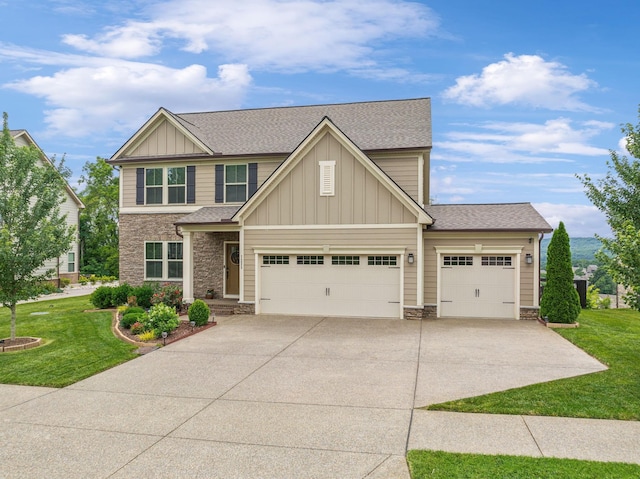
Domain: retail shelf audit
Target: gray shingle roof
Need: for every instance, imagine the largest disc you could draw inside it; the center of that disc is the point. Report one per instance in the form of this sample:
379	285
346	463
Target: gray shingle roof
208	215
487	217
375	125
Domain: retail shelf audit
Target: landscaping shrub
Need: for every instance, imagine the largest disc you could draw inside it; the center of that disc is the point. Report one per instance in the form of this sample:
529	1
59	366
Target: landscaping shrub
131	318
147	336
120	294
162	318
199	312
102	297
143	295
169	294
137	328
134	309
64	282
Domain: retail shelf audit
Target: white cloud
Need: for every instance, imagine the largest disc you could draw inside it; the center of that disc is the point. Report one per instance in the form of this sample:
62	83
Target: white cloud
271	34
500	142
579	220
129	92
525	80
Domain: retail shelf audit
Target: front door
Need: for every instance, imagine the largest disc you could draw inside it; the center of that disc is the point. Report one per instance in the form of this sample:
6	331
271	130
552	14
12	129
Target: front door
232	269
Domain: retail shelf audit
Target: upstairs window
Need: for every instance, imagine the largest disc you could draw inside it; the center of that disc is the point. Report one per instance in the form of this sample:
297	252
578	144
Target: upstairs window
153	183
235	183
177	185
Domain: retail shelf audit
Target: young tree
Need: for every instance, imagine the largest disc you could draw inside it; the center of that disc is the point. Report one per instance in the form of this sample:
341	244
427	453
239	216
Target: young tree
560	301
617	195
99	252
32	229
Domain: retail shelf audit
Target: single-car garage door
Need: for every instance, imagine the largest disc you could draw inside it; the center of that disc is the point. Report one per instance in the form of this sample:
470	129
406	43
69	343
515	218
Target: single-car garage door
331	285
477	286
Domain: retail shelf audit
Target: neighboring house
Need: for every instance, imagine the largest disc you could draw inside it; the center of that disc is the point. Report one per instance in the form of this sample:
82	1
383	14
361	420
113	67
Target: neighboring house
67	265
318	210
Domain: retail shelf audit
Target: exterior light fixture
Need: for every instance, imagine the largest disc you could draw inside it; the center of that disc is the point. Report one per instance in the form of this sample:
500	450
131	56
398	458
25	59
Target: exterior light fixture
192	324
164	338
410	258
529	258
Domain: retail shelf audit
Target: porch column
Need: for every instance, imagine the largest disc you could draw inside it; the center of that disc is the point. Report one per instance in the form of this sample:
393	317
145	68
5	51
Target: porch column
187	267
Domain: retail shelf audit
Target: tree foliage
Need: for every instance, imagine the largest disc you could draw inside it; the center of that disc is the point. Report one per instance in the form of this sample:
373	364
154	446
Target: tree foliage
617	195
560	301
32	227
99	220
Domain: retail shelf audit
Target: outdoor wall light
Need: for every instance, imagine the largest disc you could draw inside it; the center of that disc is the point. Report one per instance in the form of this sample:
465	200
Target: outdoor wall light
410	258
528	258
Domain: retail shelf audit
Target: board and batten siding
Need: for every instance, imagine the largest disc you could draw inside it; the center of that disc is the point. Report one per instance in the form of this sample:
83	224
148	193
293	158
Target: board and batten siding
360	198
360	239
432	240
165	139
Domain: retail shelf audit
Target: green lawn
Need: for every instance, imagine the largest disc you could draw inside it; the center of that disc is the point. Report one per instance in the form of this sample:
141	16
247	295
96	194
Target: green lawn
445	465
78	344
612	336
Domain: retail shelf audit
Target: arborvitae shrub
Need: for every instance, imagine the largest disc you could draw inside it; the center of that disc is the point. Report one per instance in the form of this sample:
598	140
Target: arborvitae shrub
199	312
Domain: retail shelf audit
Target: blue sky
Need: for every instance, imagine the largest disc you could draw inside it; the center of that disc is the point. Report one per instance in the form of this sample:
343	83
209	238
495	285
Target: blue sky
524	94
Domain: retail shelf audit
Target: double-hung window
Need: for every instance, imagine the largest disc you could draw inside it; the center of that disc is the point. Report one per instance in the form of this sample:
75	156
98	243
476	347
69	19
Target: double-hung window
71	262
153	183
235	183
163	260
177	185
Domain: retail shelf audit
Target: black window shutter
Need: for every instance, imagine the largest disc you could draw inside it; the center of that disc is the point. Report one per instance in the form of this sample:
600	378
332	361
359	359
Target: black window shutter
191	184
253	178
139	186
219	183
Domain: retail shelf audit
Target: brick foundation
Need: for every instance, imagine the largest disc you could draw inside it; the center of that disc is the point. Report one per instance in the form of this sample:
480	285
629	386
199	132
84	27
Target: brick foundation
529	312
413	313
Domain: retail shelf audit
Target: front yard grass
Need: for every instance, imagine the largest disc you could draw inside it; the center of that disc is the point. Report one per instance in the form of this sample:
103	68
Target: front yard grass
76	344
445	465
613	337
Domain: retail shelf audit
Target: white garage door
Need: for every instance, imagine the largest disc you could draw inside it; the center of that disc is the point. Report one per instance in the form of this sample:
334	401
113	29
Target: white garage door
326	285
477	286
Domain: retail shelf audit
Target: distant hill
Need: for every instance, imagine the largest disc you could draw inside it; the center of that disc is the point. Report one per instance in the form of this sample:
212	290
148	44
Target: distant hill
581	249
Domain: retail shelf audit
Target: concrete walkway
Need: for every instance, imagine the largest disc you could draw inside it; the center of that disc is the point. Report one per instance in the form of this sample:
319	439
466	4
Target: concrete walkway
284	397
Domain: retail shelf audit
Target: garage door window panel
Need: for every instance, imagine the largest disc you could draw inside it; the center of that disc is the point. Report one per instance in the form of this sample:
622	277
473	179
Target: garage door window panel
275	259
345	260
310	259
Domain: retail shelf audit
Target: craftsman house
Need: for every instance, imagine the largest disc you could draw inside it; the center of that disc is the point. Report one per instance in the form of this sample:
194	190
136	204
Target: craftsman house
67	265
318	210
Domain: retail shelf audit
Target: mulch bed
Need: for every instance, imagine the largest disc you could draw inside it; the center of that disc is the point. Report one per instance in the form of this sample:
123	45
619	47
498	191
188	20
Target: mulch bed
183	330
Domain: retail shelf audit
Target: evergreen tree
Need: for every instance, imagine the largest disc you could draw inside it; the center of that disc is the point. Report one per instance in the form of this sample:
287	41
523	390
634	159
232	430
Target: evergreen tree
32	228
560	301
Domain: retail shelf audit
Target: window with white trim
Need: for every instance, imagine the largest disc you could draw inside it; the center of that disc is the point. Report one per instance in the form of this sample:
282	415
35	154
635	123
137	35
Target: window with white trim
235	183
457	260
177	185
348	260
311	259
496	261
153	186
71	262
382	260
327	178
163	260
275	259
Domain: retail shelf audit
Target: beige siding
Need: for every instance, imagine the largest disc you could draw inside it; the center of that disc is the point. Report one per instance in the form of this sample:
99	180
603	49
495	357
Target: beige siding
522	240
165	139
402	170
266	168
360	239
359	197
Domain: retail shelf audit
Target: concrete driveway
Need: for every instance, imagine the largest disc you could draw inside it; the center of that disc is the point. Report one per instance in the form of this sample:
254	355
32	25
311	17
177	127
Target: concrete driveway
273	397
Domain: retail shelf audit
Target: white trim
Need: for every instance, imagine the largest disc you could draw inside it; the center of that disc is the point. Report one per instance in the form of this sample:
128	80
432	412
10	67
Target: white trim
165	260
333	226
421	200
329	250
327	178
211	228
258	283
121	189
420	268
224	183
536	271
159	209
478	249
187	267
241	272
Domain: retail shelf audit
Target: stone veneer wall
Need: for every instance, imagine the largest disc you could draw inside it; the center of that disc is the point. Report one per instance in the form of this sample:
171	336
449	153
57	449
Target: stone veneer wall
208	262
529	312
134	231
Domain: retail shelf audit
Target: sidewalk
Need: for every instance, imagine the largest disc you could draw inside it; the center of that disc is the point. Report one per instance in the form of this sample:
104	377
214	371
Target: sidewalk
68	292
537	436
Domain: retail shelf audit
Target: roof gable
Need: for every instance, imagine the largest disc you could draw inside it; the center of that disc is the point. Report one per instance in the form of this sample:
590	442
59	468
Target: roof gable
327	128
22	136
162	135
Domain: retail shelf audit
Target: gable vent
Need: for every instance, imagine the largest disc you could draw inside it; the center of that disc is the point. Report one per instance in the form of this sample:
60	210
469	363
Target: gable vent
327	178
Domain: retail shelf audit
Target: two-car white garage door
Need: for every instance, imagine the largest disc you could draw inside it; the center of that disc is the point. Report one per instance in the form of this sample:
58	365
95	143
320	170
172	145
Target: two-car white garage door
331	285
480	286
